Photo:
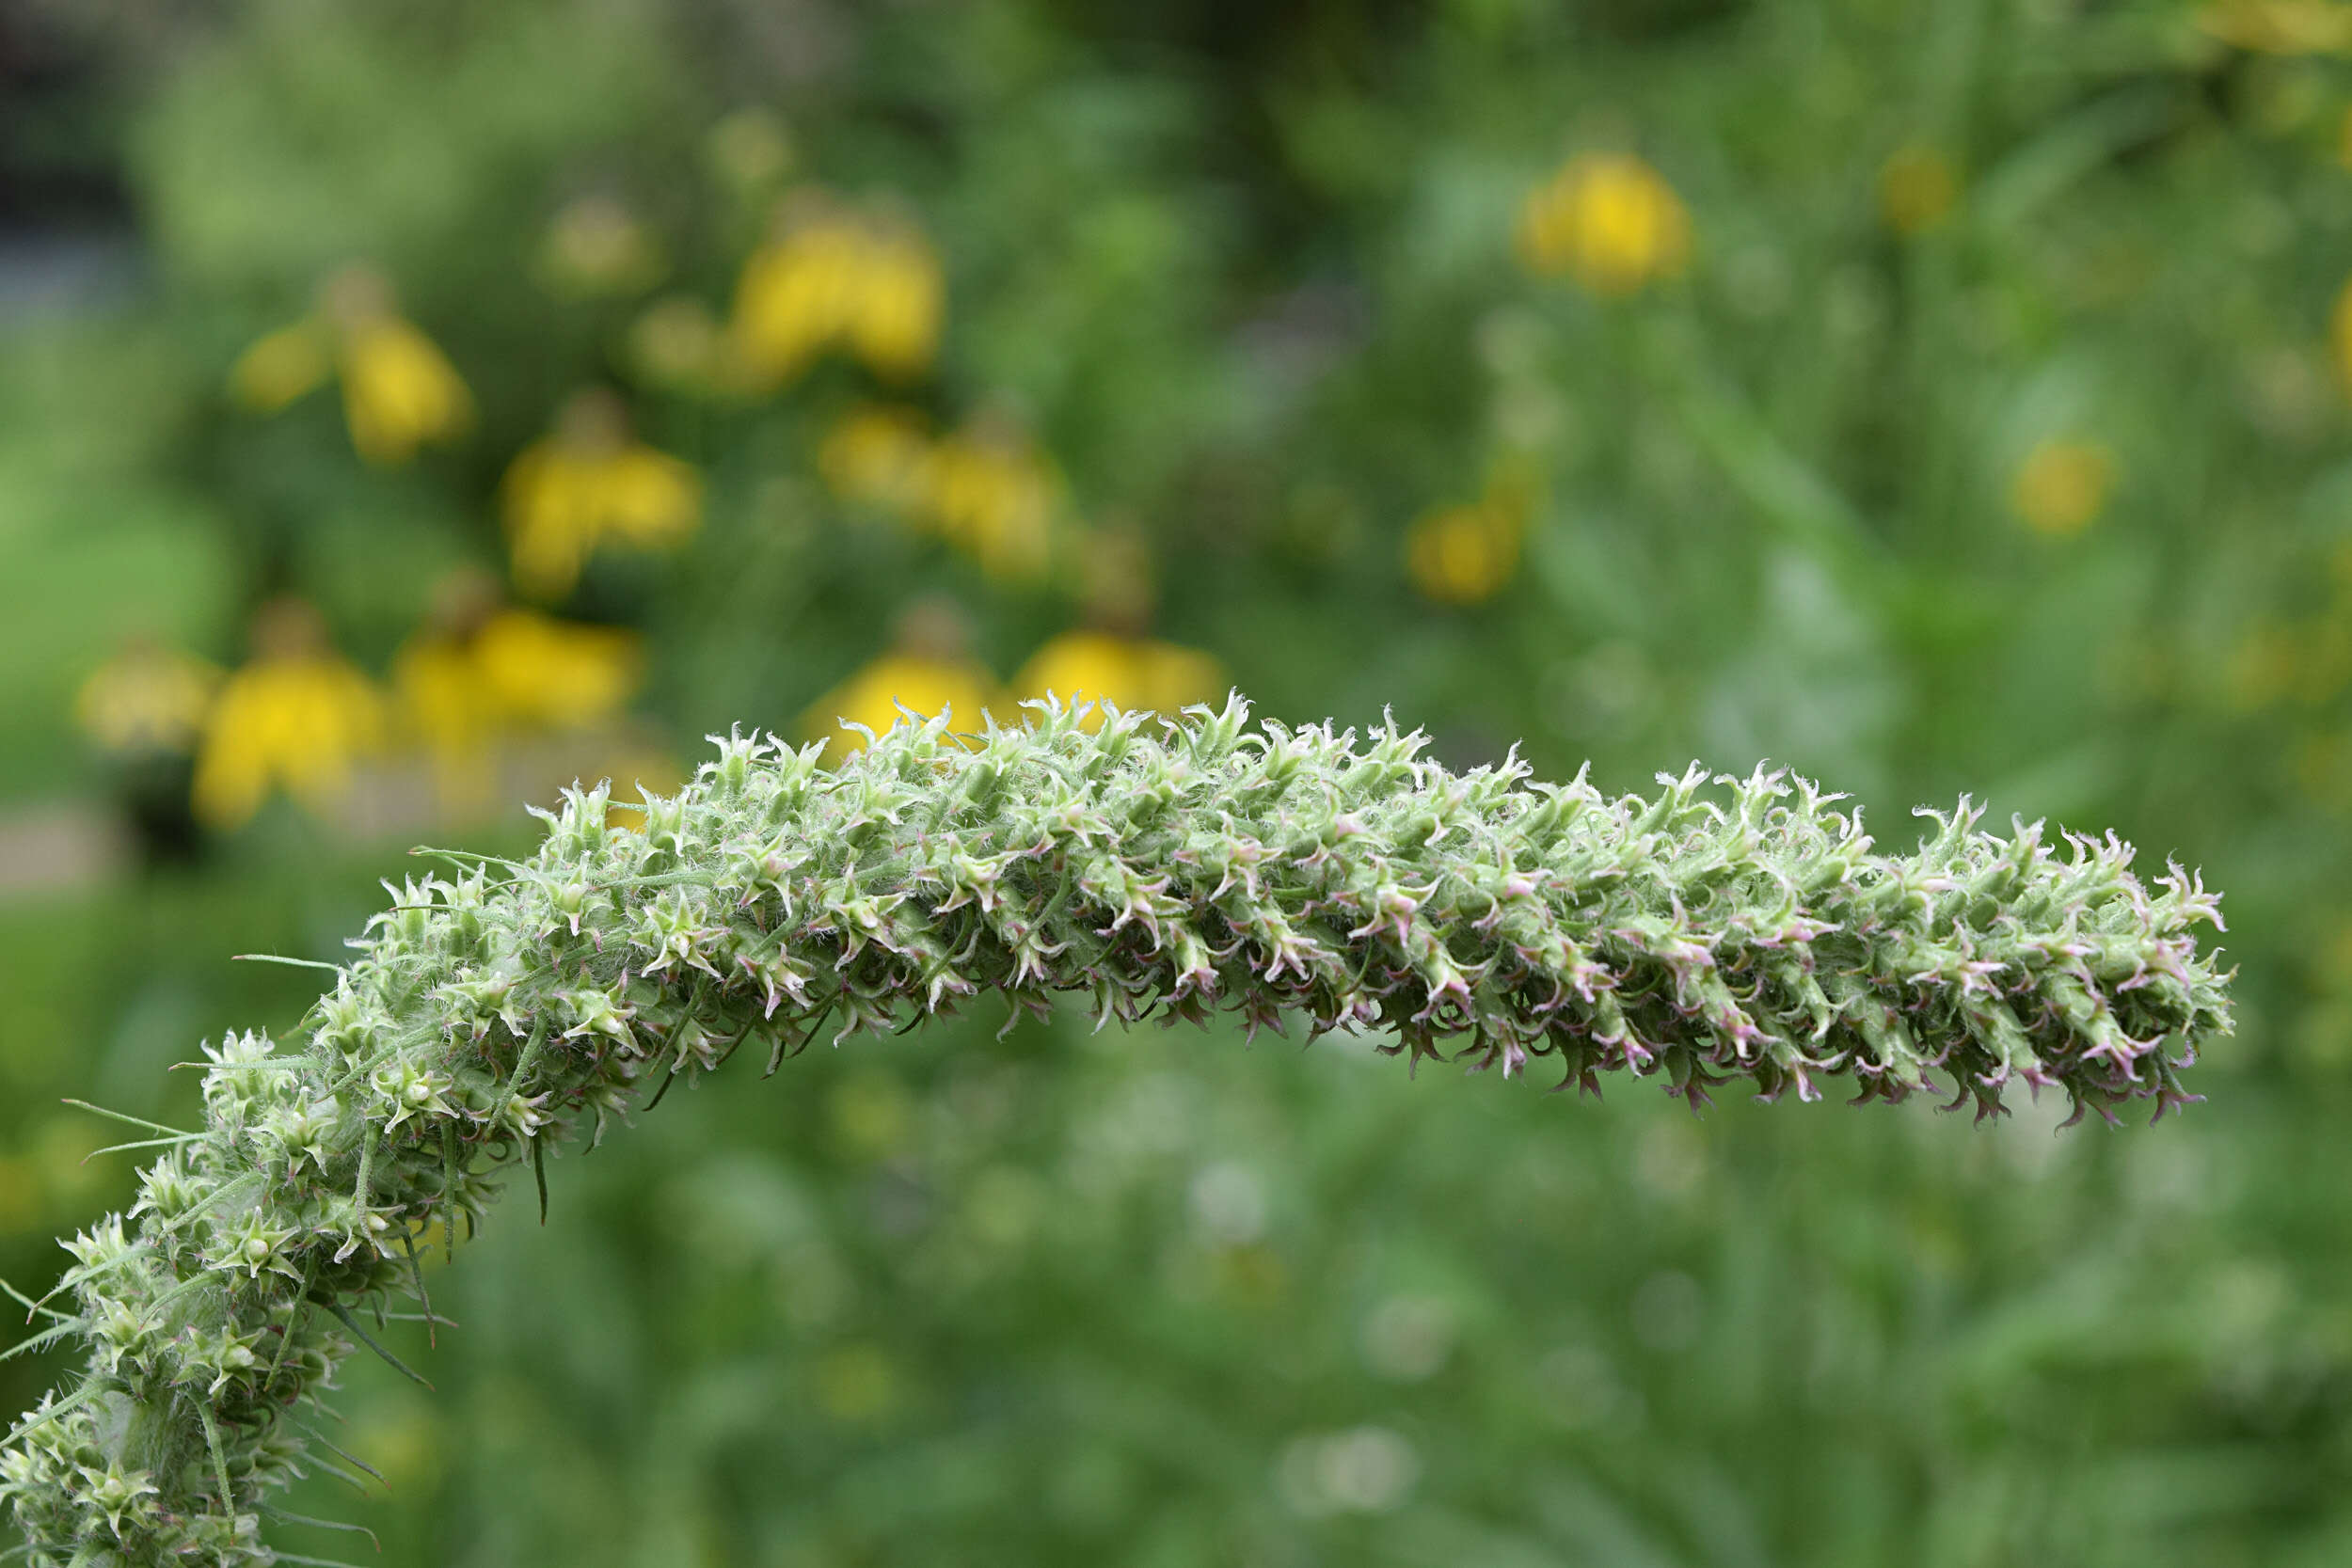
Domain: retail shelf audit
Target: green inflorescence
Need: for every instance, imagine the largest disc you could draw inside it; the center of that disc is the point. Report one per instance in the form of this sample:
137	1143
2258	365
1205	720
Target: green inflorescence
1728	928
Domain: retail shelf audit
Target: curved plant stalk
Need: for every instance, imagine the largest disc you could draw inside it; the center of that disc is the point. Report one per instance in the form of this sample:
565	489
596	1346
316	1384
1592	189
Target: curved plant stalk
1732	929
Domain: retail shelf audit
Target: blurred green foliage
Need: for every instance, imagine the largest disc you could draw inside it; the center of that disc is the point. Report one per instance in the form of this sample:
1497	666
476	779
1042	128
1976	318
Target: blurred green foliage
1247	276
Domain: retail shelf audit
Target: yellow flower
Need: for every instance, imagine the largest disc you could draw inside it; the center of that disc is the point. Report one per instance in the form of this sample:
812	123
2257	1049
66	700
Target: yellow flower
296	716
1608	220
2280	26
595	248
147	698
985	489
444	707
281	367
553	518
1463	554
835	276
924	683
797	295
928	670
561	674
399	391
894	324
477	669
462	685
569	494
1132	674
1918	189
878	456
652	501
989	494
2062	485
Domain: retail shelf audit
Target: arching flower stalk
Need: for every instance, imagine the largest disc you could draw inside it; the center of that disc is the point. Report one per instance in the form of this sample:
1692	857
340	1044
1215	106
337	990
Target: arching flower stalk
1738	930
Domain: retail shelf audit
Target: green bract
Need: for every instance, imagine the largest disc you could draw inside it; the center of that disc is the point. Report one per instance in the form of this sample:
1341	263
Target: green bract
1738	930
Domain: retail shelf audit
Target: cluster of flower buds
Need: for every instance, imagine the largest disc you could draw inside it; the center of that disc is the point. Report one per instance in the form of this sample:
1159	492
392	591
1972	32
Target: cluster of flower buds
1737	928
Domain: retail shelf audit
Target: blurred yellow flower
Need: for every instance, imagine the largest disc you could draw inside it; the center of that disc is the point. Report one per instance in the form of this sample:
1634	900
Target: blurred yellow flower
477	670
561	674
295	717
1464	554
1132	674
878	456
1609	221
588	483
595	247
901	296
443	709
989	494
2280	26
2062	485
281	366
833	276
924	684
986	490
1918	189
795	297
928	669
399	391
147	698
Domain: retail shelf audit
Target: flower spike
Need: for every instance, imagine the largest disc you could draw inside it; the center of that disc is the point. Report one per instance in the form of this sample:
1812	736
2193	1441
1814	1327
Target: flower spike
1727	929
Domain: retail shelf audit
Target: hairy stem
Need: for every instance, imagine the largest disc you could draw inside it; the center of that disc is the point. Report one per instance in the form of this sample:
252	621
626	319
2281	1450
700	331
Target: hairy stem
1726	929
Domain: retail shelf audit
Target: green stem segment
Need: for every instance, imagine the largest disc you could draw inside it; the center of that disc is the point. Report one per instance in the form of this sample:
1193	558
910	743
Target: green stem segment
1732	929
